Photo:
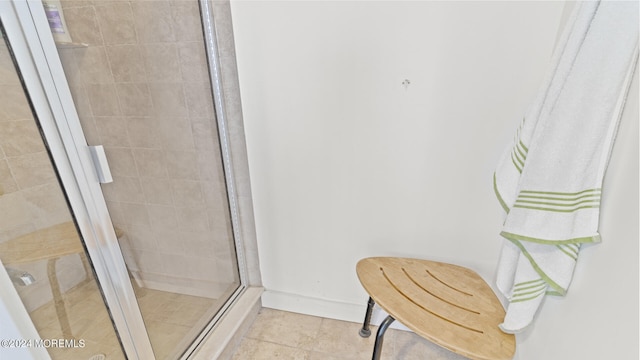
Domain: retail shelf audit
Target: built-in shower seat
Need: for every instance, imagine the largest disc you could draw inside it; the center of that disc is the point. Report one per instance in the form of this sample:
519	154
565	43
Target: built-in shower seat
449	305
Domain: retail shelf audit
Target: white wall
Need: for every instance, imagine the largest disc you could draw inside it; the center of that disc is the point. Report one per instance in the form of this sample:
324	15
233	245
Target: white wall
346	162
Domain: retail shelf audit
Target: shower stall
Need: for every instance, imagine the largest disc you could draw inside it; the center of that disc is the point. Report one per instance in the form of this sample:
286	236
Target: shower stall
123	226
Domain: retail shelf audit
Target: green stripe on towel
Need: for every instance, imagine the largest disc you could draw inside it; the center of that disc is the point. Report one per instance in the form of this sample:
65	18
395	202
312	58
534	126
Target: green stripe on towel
594	190
535	289
555	288
533	284
557	201
555	210
519	155
571	250
516	163
500	199
581	240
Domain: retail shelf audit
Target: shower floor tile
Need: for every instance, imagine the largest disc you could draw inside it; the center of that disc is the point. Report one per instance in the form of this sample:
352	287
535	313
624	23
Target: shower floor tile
172	320
284	335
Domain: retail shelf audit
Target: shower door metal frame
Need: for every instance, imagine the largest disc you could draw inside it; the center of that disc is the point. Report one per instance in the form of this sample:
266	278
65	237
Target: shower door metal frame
215	76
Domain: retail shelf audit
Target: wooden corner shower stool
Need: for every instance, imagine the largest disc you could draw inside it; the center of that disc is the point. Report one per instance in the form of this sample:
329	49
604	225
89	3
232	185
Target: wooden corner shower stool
449	305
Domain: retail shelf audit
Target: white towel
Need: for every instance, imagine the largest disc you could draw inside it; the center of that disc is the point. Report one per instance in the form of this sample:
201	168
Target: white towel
549	181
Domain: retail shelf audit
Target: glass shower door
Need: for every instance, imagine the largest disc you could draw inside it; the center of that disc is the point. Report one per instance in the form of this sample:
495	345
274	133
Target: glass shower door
133	77
40	246
139	77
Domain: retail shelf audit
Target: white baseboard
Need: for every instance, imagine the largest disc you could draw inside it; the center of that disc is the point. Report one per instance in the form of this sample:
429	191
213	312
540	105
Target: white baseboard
330	309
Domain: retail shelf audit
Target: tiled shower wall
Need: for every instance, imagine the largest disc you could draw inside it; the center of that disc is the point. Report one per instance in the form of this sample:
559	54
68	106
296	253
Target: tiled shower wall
30	196
142	90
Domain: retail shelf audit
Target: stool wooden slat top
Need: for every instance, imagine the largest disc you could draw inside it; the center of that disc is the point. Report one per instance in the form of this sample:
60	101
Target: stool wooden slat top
450	305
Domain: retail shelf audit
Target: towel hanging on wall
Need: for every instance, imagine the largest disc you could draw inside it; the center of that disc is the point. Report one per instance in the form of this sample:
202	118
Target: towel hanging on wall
549	181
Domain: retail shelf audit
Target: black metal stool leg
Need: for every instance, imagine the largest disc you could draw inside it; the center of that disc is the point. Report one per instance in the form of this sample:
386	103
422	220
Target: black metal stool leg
377	348
365	332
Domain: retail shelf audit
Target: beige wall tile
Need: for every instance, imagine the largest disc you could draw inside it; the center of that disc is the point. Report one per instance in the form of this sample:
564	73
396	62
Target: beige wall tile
135	214
71	70
224	244
93	65
121	161
193	218
7	183
140	239
186	192
175	133
150	261
115	211
168	99
127	63
47	205
198	267
90	130
193	61
205	134
199	99
214	193
81	100
14	103
103	99
135	99
186	21
143	132
124	189
182	165
75	3
162	62
210	167
163	217
219	219
199	244
112	131
225	270
153	21
20	138
171	242
158	191
83	25
8	74
150	163
32	169
116	22
15	212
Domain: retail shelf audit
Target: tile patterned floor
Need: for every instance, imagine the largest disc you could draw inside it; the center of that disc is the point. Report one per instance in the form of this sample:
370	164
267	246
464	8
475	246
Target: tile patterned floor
170	319
283	335
274	334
